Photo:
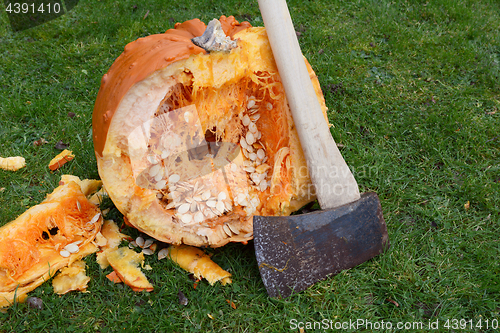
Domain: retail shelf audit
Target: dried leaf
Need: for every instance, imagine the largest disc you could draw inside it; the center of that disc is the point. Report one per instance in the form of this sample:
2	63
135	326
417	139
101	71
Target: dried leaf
35	302
39	142
393	302
61	145
467	205
182	298
231	303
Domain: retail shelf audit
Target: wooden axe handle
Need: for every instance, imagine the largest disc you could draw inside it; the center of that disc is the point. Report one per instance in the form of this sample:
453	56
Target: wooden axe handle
334	183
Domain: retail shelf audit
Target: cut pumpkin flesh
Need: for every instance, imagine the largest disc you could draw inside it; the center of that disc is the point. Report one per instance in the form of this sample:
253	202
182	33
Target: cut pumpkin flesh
71	278
196	261
44	239
190	145
125	263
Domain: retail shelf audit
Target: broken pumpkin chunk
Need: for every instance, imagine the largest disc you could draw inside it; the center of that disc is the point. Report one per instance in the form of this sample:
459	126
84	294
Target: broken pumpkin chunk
61	159
44	239
196	261
12	163
109	239
71	278
125	263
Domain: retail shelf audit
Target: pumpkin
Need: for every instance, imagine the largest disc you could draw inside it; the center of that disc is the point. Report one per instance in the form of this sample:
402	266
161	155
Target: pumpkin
192	141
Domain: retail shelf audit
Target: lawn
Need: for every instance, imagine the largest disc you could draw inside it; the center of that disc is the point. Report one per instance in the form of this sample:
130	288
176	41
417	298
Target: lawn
413	92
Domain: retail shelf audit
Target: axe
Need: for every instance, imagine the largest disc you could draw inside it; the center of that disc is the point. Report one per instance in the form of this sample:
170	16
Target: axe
294	252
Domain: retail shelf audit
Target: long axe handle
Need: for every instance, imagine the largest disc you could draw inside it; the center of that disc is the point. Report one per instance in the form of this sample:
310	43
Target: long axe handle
333	181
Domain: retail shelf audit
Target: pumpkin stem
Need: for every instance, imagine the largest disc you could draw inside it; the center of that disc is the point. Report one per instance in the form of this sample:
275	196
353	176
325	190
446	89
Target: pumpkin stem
214	38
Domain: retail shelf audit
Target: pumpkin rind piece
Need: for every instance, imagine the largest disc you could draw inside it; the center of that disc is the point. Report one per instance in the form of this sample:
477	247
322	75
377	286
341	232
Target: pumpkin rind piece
31	245
71	278
12	163
199	263
233	98
62	158
125	263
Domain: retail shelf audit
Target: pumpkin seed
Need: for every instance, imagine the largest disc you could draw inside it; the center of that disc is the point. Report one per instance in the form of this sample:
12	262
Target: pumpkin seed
269	106
261	154
153	171
132	244
139	241
246	120
147	252
184	208
152	159
72	248
240	197
250	149
163	253
198	217
159	176
250	139
147	243
233	229
174	178
263	186
187	218
197	198
262	168
211	203
222	196
94	219
162	184
243	143
250	234
249	169
220	206
206	195
254	117
250	104
159	195
64	253
208	213
78	206
227	230
193	207
252	128
255	177
252	156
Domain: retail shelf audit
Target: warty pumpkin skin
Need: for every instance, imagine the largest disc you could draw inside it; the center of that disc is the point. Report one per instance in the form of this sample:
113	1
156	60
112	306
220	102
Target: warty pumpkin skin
190	144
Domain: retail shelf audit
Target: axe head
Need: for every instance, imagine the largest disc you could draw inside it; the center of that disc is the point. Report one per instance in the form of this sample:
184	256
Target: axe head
294	252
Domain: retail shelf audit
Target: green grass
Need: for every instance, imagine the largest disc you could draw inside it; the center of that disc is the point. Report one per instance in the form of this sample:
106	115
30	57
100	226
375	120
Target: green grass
413	91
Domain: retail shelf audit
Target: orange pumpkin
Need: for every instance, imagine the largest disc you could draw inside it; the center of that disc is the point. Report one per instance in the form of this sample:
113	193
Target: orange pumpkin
191	144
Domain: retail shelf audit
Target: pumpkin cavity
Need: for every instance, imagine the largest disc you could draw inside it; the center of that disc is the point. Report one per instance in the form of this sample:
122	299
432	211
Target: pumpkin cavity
211	167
